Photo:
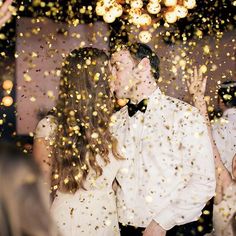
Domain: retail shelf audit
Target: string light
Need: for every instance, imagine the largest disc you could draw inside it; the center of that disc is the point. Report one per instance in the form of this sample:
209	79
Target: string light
108	3
154	7
190	4
109	9
170	17
172	10
144	19
145	36
100	9
170	3
116	10
134	15
109	17
181	11
136	4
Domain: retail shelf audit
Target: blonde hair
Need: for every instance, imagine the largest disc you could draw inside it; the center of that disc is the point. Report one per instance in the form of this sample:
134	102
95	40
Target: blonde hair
83	115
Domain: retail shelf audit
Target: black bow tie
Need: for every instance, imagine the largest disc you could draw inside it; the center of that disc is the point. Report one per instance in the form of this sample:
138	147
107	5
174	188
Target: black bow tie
133	108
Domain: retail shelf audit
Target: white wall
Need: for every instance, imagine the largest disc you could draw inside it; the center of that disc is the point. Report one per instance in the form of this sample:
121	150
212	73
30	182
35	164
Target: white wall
50	48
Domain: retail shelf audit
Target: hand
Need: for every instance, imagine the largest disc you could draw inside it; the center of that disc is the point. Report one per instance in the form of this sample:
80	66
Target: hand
197	84
5	12
197	87
154	229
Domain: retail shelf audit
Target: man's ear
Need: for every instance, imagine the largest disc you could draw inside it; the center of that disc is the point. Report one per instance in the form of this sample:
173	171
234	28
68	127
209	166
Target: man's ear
144	65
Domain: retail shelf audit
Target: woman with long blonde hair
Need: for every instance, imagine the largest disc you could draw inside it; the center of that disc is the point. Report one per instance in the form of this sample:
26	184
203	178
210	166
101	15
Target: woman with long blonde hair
76	150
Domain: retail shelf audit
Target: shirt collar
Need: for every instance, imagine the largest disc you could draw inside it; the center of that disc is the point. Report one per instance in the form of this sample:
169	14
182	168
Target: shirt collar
154	98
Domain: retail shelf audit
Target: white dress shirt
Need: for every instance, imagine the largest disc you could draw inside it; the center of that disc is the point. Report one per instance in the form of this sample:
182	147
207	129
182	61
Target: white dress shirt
224	134
169	173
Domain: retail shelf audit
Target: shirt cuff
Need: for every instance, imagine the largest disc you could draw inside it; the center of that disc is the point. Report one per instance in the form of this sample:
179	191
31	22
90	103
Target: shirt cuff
166	219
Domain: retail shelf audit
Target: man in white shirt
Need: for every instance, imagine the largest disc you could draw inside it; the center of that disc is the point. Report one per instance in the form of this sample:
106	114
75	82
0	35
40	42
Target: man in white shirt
168	175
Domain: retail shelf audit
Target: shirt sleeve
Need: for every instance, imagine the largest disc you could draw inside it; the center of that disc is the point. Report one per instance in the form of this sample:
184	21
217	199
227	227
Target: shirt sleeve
45	128
198	181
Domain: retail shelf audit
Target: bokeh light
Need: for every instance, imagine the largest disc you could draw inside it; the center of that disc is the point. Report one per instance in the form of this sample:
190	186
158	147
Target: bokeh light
7	85
7	101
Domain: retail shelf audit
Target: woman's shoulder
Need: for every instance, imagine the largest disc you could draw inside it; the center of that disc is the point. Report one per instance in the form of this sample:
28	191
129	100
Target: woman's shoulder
46	127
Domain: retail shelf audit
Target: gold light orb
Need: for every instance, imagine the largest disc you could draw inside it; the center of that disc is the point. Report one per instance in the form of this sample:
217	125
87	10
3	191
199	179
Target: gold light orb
170	17
134	15
136	4
108	17
135	12
154	8
7	101
190	4
100	9
116	10
170	3
144	19
7	84
181	11
108	3
145	36
154	1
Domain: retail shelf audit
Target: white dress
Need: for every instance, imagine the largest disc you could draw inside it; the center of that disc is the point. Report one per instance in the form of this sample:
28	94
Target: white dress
90	212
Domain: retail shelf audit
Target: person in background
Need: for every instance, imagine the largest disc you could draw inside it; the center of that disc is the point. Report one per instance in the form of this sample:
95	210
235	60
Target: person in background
222	136
23	202
224	129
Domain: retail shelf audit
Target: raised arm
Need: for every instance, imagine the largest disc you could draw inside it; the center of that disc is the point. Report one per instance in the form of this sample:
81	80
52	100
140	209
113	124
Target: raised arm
197	87
5	12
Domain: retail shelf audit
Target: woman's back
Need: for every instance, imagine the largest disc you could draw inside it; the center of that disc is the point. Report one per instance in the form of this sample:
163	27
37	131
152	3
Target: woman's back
76	148
95	205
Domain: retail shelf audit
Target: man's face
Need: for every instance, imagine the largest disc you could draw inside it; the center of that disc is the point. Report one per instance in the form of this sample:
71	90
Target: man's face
122	66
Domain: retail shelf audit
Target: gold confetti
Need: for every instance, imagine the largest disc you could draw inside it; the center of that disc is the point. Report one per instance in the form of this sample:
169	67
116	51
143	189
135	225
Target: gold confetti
27	78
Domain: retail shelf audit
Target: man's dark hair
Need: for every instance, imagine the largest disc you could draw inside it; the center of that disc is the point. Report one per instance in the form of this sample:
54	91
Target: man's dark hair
227	92
233	223
140	51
